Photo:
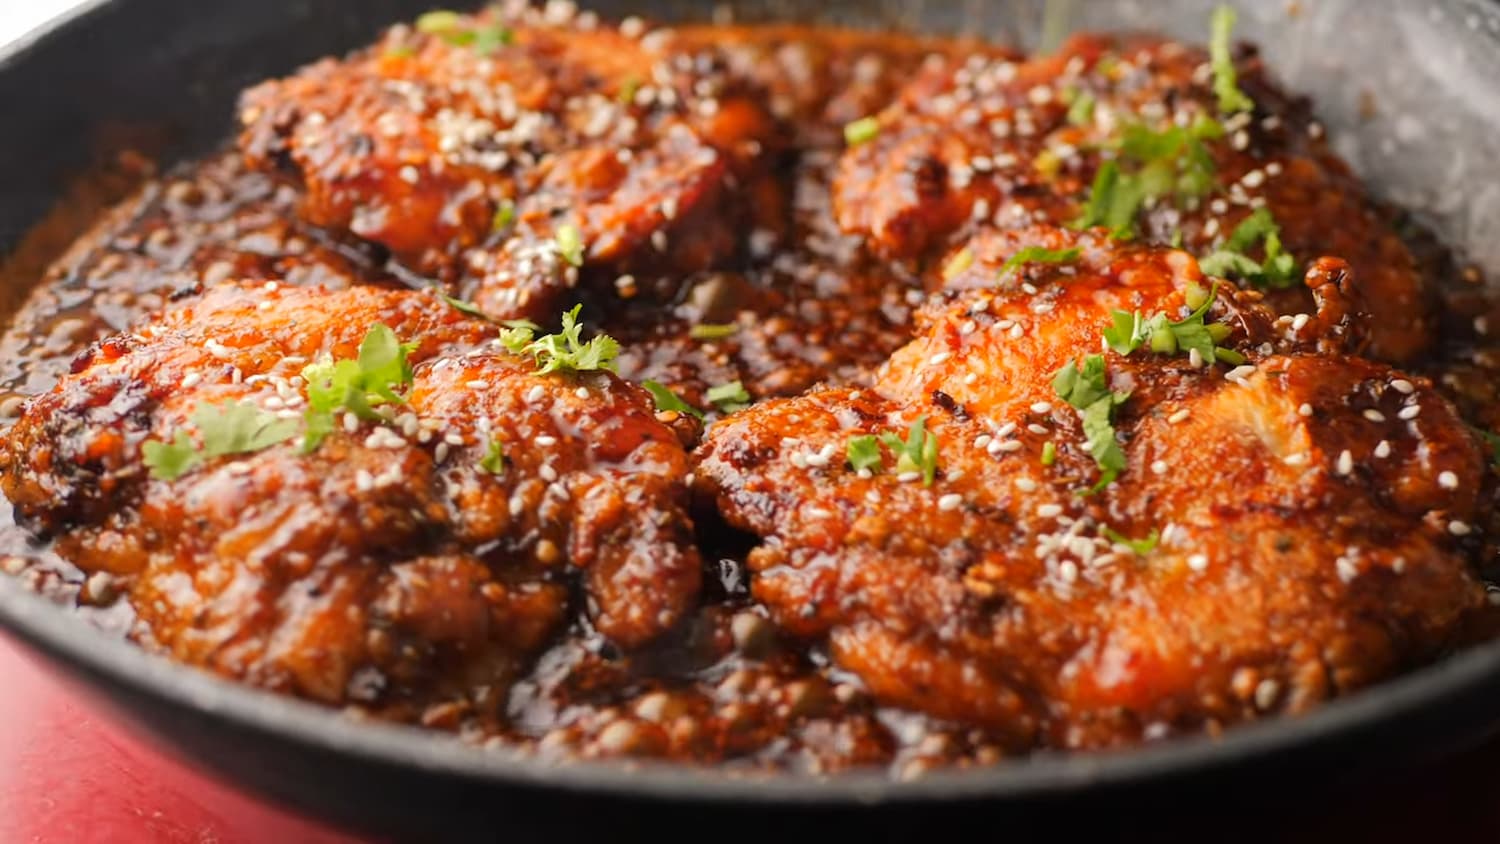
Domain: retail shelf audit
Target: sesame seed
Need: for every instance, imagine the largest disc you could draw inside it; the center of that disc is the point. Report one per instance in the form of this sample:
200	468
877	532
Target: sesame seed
535	394
1239	373
983	440
1006	430
440	453
1383	449
1346	462
1409	413
1039	430
951	501
939	358
476	384
1005	446
1159	467
1374	415
1296	459
1305	410
191	380
1266	692
1195	358
1300	321
1458	528
1197	562
908	477
1067	570
1179	416
1025	484
547	473
581	392
1447	480
1049	511
1346	569
1041	407
363	481
545	440
1403	386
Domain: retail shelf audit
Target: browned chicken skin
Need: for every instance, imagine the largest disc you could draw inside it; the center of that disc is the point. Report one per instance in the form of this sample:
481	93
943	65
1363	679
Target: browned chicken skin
468	146
1002	143
390	565
1305	513
1300	528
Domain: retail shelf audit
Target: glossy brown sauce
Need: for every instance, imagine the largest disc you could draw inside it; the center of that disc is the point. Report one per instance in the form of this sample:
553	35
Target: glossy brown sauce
726	687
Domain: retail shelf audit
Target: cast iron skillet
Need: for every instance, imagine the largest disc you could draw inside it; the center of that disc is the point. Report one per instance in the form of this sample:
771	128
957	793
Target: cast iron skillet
179	63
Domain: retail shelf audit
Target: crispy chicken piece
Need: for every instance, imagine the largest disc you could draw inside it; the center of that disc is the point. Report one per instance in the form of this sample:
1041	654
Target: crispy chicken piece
1011	143
1308	509
512	152
401	565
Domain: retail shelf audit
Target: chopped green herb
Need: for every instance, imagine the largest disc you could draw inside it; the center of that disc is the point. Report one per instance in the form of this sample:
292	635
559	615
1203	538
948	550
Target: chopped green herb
489	39
564	351
961	260
917	453
1278	269
713	331
356	386
400	51
1049	453
1087	389
493	460
1140	546
863	453
463	307
1081	110
238	427
728	398
861	131
438	21
1129	331
570	244
1226	81
1038	255
629	88
1152	164
505	214
670	401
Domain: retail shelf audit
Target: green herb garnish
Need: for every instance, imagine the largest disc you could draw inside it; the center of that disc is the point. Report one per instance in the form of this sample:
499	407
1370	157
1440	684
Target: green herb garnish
356	386
861	131
628	89
462	306
564	351
489	39
713	331
863	453
1038	255
438	22
1087	389
1129	331
238	427
505	214
1278	269
917	453
1142	546
670	401
728	398
1081	110
1226	81
493	460
1151	164
570	244
1049	453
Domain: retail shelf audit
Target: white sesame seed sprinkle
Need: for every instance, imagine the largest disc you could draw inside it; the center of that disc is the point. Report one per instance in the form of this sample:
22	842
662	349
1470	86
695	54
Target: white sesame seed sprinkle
1447	480
1374	415
1041	407
546	440
1025	484
1403	386
1159	467
1049	511
951	501
1298	458
1345	463
1383	449
1409	412
908	477
535	394
1197	562
1459	528
1179	416
1305	410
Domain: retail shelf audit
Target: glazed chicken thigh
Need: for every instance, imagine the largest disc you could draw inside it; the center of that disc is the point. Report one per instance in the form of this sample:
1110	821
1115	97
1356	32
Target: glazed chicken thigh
415	555
1079	548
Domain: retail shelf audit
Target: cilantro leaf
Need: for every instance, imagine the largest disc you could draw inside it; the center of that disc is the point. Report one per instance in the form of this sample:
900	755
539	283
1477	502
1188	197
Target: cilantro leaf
505	214
1127	332
564	351
728	398
238	427
954	266
1038	255
517	334
917	453
1151	164
1226	81
493	460
463	307
357	386
861	131
1081	110
713	330
570	244
1141	546
670	401
1087	389
1277	270
863	452
170	461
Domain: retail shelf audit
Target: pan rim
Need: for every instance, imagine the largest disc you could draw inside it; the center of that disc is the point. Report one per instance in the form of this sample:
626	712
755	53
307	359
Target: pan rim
71	641
49	628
